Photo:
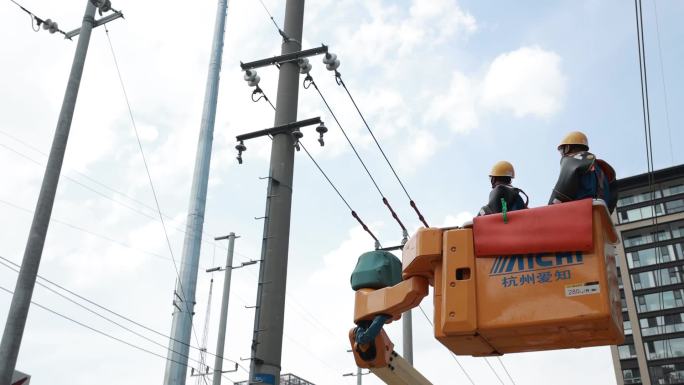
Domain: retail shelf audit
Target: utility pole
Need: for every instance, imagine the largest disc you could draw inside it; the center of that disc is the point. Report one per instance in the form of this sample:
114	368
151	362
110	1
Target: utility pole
218	362
407	329
269	317
21	300
184	296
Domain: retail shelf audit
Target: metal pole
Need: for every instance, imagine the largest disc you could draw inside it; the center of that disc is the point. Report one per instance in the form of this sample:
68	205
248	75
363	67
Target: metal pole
218	362
407	328
359	376
184	298
268	342
21	300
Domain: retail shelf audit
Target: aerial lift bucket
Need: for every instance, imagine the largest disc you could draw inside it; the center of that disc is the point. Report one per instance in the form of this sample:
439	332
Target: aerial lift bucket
532	280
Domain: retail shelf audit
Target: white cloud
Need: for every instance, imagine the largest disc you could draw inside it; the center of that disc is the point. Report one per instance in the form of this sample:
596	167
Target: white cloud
528	82
458	107
457	220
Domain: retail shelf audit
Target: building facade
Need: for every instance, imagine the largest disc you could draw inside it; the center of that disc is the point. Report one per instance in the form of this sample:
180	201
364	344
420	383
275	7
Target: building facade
650	221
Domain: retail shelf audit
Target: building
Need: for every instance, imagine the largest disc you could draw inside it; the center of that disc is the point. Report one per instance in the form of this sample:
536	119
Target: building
285	379
650	223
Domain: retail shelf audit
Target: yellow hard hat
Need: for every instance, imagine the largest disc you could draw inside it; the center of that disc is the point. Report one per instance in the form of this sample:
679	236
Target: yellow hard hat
575	137
502	168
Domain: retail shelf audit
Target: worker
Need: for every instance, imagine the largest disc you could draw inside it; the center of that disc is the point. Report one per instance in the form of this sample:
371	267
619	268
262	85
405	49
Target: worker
582	175
502	191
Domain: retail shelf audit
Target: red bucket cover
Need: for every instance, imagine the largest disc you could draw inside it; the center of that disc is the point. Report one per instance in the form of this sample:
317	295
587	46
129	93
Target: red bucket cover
559	227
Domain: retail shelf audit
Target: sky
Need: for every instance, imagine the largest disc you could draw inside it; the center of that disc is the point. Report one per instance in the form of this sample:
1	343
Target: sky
449	87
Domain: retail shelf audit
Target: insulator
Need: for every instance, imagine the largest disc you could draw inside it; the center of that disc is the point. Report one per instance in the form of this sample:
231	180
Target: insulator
250	74
321	129
53	27
105	6
46	24
297	134
333	66
329	58
306	69
241	147
254	82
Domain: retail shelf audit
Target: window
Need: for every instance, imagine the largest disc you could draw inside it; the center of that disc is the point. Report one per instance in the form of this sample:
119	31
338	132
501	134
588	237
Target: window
671	323
674	206
664	348
667	374
627	326
662	277
659	301
638	198
631	376
672	190
626	351
641	213
643	239
649	257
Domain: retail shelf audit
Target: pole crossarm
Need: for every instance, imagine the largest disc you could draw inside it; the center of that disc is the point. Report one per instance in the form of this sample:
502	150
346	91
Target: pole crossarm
286	58
97	23
285	128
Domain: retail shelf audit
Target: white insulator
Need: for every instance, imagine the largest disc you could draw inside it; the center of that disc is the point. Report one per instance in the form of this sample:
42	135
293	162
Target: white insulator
329	58
254	82
53	27
333	66
46	24
250	75
306	69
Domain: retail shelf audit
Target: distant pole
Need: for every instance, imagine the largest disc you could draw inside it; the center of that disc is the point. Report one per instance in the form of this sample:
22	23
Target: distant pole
359	376
184	297
218	362
21	300
407	328
269	318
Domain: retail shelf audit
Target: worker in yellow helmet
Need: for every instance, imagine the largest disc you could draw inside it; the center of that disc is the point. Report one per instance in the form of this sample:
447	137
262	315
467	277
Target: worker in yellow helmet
582	175
502	191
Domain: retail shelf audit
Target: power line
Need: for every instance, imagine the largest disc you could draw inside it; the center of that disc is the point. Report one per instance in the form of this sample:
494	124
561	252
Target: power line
47	24
338	80
662	77
206	237
311	82
353	213
61	287
101	332
505	370
149	178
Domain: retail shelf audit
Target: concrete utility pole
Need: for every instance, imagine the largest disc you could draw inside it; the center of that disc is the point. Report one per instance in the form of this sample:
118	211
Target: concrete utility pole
269	318
184	296
218	362
21	300
407	329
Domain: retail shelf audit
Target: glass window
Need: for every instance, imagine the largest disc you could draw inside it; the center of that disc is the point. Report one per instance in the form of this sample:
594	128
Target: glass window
643	239
671	323
672	190
674	206
627	326
626	351
649	257
667	374
631	376
641	213
668	348
637	198
662	277
659	301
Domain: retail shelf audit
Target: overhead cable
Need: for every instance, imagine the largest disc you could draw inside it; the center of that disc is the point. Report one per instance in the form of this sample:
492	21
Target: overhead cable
308	82
184	297
339	81
662	77
132	345
353	213
108	310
